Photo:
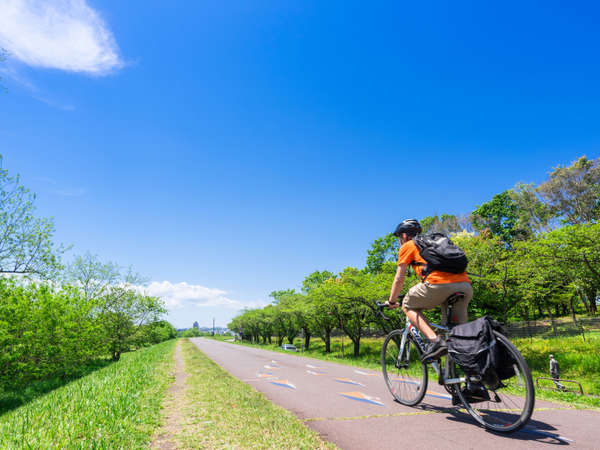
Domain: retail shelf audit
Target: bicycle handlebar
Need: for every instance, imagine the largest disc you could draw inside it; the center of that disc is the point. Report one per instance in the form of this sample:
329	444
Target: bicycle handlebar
380	307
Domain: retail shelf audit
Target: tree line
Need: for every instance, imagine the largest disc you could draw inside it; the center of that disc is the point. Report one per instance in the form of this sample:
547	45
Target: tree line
534	251
56	318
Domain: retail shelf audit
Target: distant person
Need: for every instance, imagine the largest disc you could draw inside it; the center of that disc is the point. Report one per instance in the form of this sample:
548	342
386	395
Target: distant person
433	290
555	373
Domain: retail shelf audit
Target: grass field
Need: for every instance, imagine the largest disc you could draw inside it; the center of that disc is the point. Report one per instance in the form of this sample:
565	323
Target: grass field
578	360
223	412
117	406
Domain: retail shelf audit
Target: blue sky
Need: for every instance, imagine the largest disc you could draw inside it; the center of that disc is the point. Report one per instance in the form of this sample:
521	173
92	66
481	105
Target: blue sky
228	149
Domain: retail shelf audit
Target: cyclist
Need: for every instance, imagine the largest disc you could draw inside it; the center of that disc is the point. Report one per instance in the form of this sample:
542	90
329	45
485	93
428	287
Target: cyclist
429	293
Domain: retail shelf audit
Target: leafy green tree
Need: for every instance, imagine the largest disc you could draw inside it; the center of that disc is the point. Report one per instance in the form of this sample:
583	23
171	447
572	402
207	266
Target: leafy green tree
93	276
356	293
318	316
26	245
123	312
46	331
533	214
316	279
492	274
499	216
574	192
543	283
383	249
155	332
576	249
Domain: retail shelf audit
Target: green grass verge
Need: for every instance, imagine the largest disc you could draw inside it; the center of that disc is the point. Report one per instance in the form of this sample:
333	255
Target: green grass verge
578	360
224	412
117	406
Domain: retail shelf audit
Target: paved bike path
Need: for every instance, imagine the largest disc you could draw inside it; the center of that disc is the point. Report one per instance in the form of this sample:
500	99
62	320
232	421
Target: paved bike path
352	407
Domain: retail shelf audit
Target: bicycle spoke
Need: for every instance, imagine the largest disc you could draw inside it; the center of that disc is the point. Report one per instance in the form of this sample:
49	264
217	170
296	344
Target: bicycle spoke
404	374
510	406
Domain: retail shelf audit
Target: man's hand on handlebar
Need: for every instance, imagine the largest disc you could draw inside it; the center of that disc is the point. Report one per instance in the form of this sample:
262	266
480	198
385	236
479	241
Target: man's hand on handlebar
394	305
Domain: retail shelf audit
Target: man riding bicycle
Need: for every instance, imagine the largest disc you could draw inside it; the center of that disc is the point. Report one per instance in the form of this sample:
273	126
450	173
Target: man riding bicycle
432	291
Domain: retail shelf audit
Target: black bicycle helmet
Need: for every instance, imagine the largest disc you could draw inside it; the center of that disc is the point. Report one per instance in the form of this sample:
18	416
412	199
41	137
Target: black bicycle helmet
411	227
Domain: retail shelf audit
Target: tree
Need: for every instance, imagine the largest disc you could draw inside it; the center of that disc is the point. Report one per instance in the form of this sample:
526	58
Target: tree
124	311
316	279
576	250
493	277
499	215
318	310
533	215
26	245
356	293
92	276
383	249
116	293
574	192
446	224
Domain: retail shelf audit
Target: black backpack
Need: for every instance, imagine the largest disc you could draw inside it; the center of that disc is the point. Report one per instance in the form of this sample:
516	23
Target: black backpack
476	350
441	254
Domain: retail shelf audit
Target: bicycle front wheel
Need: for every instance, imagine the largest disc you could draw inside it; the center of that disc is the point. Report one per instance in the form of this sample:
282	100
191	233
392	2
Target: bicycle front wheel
404	373
509	406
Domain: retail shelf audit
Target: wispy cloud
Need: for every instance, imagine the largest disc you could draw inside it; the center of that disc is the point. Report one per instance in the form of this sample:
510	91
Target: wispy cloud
9	71
178	295
76	192
59	34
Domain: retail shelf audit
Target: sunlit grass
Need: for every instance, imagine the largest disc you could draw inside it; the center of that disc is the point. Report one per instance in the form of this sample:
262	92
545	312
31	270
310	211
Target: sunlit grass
117	406
223	412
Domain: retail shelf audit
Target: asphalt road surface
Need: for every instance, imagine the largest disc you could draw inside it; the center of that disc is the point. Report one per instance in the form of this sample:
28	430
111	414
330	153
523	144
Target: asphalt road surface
353	408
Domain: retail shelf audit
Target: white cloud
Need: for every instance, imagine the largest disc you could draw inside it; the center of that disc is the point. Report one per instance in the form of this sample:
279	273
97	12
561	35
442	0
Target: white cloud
178	295
59	34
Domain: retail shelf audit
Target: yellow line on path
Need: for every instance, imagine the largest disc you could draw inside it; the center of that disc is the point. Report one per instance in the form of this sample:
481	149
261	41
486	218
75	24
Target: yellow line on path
412	413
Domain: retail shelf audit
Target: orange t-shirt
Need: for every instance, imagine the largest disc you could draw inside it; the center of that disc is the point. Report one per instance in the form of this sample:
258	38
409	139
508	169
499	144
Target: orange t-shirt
409	253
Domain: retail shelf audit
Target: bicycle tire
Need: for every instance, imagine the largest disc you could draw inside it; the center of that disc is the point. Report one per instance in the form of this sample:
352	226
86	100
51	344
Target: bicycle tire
506	411
407	382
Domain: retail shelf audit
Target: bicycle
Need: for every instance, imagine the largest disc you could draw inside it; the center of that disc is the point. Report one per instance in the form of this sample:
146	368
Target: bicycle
502	409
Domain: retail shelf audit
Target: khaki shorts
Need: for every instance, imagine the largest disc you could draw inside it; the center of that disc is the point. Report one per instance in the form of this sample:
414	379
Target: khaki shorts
428	296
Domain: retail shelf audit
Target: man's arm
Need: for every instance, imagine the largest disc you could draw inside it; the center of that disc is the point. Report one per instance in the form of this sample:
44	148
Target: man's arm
397	285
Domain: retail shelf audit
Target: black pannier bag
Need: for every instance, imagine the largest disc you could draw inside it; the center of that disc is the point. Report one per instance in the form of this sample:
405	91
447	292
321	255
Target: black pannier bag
440	253
475	349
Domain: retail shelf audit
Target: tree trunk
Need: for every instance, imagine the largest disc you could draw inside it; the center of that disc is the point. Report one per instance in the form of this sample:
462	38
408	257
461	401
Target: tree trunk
540	311
584	301
556	311
552	321
571	307
327	341
356	346
306	340
592	299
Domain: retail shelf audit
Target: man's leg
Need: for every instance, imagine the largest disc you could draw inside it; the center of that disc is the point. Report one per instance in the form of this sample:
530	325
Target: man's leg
415	301
420	297
417	318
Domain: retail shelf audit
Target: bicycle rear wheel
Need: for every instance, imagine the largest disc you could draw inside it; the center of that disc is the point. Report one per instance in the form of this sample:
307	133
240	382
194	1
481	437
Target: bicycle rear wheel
510	406
404	374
